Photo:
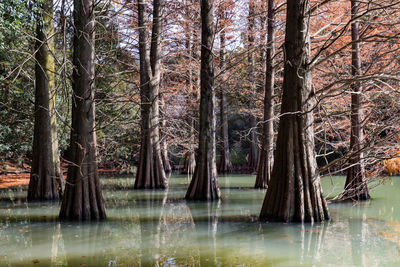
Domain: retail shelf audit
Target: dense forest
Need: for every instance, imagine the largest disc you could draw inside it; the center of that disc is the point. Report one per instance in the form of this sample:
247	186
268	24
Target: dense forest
287	90
163	132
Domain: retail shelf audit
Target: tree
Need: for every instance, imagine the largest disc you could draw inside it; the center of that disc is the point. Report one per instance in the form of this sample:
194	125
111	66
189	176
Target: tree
253	154
265	162
150	173
294	192
164	149
225	165
356	186
45	171
192	43
190	158
83	198
204	184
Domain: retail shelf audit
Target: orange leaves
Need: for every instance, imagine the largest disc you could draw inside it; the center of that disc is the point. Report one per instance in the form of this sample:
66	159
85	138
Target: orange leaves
392	166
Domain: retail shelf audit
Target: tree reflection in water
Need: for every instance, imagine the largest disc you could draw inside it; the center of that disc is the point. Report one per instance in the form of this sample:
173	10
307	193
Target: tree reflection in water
206	226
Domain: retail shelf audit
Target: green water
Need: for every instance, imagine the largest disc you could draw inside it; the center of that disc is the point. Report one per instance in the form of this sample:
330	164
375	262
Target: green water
146	228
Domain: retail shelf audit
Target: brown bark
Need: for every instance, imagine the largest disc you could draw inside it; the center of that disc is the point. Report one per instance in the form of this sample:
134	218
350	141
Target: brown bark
191	50
253	154
150	173
46	172
83	199
294	192
266	153
204	184
356	186
225	165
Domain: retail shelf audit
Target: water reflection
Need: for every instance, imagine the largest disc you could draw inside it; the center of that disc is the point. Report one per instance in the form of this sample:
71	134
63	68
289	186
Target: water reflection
357	231
158	228
206	227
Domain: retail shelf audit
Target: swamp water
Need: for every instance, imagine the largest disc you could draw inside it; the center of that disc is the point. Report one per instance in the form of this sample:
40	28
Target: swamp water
149	228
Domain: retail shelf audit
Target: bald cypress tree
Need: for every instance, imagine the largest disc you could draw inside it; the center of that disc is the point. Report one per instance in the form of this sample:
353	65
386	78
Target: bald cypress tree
264	167
151	172
253	153
356	186
46	181
204	184
83	199
294	192
225	165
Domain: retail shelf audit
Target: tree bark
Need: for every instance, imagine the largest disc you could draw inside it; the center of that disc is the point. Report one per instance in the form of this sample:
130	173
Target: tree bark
294	192
46	171
83	199
204	184
266	153
190	159
150	173
191	50
253	154
225	165
356	186
164	144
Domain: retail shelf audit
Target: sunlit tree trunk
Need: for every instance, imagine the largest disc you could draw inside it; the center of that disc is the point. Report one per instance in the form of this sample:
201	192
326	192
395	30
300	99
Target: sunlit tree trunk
294	192
253	154
83	199
356	185
225	165
46	171
266	153
204	184
150	173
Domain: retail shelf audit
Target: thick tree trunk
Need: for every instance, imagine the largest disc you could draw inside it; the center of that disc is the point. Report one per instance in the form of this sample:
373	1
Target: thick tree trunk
225	165
253	154
266	154
46	171
83	199
150	173
204	184
356	186
294	192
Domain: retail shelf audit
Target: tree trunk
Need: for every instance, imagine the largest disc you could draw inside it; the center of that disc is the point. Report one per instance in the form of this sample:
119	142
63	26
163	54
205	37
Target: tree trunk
150	173
225	165
191	50
253	154
266	154
46	172
204	184
190	159
83	199
294	192
164	144
356	186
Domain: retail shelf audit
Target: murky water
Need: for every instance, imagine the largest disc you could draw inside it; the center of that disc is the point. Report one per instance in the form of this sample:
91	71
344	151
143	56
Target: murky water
150	228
